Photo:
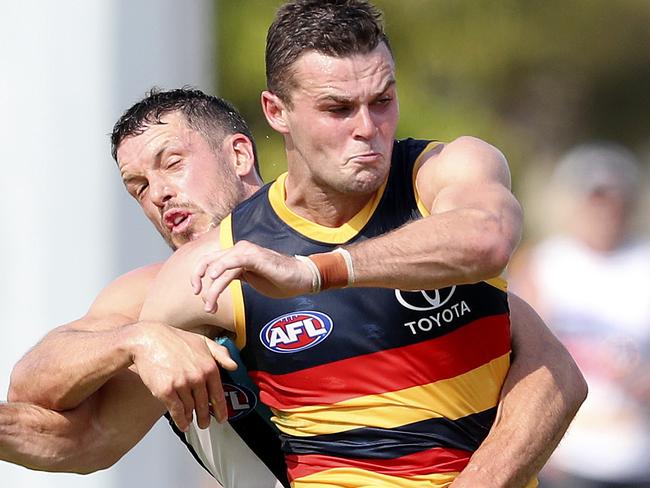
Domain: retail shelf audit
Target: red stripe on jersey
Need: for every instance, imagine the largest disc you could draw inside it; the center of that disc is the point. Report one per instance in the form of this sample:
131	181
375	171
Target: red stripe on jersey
436	460
441	358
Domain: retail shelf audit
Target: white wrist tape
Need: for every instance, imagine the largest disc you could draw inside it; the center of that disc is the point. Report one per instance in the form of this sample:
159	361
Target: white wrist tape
316	280
348	263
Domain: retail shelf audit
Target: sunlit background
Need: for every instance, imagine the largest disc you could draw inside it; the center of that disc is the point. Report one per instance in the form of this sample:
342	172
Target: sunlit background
532	77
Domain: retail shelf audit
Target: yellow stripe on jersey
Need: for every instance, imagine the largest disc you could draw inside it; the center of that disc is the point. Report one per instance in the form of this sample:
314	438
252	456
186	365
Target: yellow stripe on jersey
235	287
416	167
331	235
453	398
355	478
499	282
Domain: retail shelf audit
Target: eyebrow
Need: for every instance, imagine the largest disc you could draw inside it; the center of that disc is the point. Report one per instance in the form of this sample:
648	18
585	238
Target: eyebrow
343	99
128	178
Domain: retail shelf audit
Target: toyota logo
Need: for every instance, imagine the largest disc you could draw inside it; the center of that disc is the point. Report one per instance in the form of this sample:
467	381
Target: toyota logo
424	300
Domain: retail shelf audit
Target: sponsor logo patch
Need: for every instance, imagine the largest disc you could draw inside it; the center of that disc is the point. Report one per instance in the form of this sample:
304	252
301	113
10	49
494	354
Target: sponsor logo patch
296	331
240	401
422	300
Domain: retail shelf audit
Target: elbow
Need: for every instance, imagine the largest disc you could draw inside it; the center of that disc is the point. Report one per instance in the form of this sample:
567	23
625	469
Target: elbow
92	466
580	390
76	464
85	463
572	385
18	391
496	237
489	253
95	452
496	255
21	389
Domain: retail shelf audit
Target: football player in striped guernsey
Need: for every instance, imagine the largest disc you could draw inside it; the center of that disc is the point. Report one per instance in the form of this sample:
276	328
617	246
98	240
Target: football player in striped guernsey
175	203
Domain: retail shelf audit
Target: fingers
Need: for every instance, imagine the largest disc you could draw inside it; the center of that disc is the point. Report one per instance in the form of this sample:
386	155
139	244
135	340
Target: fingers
221	281
215	388
217	274
221	355
182	371
185	396
200	270
217	398
200	396
176	409
212	265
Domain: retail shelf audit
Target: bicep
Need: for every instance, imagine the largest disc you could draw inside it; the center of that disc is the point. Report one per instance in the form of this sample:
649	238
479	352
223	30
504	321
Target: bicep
534	346
467	172
124	296
171	300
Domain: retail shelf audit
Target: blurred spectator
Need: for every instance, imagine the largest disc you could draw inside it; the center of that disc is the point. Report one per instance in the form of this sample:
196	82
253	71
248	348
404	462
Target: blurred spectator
591	282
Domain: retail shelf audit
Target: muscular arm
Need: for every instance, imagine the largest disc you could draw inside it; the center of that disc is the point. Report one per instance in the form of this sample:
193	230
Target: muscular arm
88	438
80	356
474	226
541	395
110	408
170	300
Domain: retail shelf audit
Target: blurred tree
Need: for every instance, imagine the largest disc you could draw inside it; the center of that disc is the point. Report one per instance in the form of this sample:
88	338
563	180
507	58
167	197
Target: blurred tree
531	76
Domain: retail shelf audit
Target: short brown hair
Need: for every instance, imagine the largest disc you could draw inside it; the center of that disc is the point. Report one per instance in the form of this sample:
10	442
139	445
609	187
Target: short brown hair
331	27
213	117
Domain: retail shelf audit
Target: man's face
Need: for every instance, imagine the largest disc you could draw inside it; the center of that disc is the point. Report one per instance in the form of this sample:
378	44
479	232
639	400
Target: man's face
343	118
183	187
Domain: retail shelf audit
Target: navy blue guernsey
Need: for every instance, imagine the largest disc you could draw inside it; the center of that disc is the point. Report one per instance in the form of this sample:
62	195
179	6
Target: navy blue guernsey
379	385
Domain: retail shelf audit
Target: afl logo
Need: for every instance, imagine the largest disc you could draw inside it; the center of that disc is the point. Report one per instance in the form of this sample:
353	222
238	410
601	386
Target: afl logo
296	331
424	300
240	401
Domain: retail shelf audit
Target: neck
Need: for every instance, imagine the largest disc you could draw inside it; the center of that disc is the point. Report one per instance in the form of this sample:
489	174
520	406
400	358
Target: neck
322	205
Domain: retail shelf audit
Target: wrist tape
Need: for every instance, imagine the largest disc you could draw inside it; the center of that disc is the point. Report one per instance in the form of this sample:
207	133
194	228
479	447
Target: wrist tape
330	270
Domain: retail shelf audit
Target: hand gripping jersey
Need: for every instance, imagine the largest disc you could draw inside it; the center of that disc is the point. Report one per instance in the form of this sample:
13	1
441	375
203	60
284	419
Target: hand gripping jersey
368	386
245	451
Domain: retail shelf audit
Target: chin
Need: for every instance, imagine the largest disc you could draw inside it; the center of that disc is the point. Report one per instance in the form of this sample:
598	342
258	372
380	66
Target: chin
368	182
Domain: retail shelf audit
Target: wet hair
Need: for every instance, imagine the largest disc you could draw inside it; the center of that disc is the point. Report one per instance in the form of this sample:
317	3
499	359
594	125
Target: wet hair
213	117
334	28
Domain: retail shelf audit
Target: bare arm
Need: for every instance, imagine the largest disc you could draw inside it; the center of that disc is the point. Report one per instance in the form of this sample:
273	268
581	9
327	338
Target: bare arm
473	227
80	356
89	438
170	300
541	395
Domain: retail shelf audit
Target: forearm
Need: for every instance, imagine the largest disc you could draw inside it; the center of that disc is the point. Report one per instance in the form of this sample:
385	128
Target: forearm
71	363
42	439
449	248
89	438
532	420
540	397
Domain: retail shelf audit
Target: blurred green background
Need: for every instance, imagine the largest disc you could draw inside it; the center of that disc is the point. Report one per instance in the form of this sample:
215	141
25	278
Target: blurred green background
532	77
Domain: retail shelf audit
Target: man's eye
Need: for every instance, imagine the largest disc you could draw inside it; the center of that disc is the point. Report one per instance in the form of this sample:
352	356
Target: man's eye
338	109
172	162
139	191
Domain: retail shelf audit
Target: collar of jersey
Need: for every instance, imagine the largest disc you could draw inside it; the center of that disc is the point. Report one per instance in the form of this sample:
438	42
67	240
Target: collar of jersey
331	235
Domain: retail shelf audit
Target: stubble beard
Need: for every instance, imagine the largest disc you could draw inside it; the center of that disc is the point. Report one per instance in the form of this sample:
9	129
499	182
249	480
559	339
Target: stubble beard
230	194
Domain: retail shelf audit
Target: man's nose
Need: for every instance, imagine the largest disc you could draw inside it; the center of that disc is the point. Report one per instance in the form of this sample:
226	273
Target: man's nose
161	191
365	127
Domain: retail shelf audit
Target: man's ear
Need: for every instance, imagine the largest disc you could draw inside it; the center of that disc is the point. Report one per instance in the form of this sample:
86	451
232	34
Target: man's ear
275	111
240	147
